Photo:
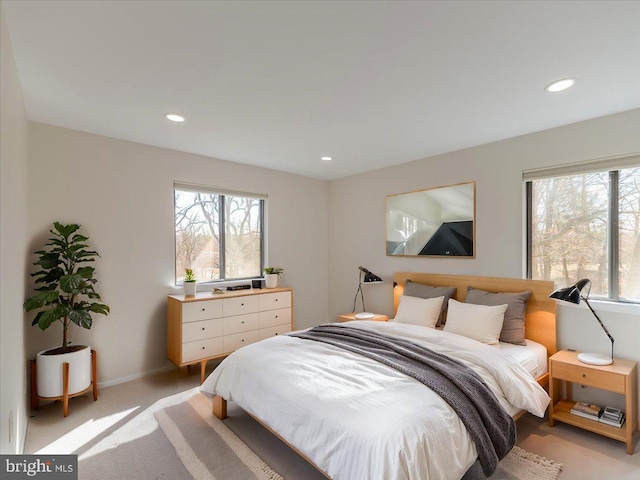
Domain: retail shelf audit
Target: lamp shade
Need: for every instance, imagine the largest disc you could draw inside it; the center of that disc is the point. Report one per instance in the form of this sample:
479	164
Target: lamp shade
572	293
369	277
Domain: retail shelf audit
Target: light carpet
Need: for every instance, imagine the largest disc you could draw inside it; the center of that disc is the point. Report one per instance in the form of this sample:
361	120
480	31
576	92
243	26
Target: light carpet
210	451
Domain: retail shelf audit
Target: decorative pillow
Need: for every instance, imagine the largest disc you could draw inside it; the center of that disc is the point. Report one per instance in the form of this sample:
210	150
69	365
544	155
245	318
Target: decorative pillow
480	322
426	291
419	311
513	326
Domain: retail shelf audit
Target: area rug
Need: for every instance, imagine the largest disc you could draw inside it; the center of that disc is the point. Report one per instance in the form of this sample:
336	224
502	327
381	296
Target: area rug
207	448
522	465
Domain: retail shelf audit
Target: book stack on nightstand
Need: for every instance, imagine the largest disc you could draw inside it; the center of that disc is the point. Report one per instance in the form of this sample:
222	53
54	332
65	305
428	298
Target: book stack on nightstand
612	416
587	410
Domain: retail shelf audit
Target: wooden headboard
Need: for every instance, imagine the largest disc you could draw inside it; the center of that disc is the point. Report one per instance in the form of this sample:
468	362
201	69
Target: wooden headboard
540	316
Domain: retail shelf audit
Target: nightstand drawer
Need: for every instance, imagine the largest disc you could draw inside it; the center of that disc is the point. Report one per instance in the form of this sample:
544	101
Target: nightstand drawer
588	376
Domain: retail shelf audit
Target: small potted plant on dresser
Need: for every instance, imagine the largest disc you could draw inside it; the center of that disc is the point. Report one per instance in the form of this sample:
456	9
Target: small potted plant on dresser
271	275
65	293
190	284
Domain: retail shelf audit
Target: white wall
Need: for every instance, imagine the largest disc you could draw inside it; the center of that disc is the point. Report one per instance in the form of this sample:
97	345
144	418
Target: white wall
13	252
357	227
122	195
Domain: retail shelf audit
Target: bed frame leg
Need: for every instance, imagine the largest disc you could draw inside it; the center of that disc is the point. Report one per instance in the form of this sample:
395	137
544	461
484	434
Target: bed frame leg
219	407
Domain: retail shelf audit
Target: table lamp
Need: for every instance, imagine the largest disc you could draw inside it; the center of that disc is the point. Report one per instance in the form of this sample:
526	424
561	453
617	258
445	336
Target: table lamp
365	277
572	294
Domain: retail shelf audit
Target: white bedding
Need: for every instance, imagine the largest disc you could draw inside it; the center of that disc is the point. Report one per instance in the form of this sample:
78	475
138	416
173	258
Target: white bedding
358	419
533	356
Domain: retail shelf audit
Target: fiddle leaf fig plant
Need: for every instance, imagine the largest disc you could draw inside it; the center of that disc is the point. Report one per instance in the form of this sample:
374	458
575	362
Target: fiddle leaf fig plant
64	284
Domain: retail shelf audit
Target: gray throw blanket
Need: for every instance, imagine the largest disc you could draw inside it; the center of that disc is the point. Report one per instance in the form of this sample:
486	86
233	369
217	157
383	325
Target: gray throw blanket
491	428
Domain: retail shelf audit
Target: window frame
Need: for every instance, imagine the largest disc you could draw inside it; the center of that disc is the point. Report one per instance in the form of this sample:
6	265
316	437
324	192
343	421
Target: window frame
613	168
223	193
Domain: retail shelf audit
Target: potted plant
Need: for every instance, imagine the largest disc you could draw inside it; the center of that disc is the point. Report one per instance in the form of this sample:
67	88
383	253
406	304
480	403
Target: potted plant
189	282
271	275
65	293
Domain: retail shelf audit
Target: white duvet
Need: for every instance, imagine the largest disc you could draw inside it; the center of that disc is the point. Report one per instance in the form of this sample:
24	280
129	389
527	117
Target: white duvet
358	419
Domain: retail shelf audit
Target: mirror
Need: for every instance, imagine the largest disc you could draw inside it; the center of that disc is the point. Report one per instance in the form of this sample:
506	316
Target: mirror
437	222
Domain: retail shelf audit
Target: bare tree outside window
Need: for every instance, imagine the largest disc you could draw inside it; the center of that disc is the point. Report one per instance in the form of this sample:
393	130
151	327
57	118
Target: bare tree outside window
629	187
218	236
572	232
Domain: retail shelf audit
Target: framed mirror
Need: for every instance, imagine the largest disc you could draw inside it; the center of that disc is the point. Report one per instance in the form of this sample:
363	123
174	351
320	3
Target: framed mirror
437	222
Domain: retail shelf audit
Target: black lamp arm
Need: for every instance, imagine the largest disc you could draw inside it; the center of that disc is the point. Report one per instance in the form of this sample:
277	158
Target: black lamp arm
600	322
359	290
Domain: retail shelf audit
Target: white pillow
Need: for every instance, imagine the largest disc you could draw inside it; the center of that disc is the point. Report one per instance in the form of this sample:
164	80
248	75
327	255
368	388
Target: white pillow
419	311
480	322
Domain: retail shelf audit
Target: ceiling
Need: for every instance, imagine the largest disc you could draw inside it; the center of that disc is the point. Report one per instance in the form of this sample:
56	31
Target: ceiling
280	84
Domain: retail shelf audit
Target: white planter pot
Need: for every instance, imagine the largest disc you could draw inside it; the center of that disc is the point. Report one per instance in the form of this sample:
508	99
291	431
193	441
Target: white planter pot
190	288
270	280
50	372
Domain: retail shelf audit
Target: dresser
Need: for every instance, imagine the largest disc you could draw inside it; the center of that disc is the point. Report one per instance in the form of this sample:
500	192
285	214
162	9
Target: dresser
208	326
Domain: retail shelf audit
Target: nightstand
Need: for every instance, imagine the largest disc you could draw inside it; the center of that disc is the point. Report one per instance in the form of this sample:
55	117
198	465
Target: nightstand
347	317
619	377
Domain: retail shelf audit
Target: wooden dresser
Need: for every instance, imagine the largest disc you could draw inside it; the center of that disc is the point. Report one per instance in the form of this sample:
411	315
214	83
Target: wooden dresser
208	326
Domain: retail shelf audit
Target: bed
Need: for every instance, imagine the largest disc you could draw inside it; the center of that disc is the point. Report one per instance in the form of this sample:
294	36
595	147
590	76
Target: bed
352	417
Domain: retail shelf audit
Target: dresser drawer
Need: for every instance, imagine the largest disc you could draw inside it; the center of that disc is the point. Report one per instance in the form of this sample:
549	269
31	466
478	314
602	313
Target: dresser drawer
271	318
273	331
240	305
202	349
588	376
240	323
272	301
200	330
238	340
194	311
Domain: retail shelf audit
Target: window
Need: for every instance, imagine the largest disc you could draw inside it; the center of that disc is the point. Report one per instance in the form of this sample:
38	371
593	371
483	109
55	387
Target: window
586	225
219	235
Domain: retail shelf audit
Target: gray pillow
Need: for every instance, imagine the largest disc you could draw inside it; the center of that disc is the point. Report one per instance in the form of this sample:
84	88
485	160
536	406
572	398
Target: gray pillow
426	291
513	326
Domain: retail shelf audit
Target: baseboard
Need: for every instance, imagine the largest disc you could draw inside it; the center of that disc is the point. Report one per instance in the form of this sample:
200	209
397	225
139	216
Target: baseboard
137	376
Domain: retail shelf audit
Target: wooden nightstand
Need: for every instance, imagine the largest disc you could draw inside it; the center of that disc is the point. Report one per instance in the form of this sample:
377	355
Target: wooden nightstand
347	317
619	377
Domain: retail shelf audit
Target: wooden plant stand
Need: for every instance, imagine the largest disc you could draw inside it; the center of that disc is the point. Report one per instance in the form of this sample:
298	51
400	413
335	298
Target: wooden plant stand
35	398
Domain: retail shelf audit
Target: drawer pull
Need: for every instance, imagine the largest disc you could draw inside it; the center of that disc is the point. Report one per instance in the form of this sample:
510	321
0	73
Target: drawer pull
243	339
203	309
242	304
202	328
203	348
584	375
276	334
276	299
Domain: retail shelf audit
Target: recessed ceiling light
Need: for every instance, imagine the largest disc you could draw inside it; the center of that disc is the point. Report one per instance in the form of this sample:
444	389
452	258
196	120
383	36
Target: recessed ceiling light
560	85
326	159
174	117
